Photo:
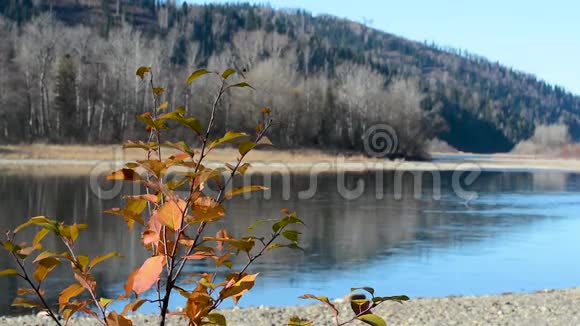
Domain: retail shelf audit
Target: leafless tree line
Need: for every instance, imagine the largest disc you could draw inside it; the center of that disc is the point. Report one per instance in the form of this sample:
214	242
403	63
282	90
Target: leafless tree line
547	139
68	84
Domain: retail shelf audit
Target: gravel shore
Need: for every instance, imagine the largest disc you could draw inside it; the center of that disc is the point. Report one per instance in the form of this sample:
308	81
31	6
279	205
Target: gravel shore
550	307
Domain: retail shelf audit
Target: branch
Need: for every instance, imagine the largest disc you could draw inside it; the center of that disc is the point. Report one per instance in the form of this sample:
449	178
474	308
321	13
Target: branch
36	289
171	276
91	291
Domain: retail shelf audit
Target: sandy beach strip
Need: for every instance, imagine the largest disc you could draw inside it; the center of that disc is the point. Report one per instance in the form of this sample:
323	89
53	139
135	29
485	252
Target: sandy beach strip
548	307
81	160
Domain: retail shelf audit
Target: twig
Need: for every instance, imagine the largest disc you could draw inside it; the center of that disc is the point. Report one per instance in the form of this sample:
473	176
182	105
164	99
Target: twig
91	291
171	276
36	289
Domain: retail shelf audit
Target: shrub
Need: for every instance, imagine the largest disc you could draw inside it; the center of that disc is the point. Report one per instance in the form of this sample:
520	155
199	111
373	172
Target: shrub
173	227
546	139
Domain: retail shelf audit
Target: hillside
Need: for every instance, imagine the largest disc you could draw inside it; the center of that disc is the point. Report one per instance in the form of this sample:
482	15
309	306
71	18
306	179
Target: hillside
67	75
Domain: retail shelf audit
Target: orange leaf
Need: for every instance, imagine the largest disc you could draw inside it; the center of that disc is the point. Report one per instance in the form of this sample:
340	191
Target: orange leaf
148	274
237	289
149	197
242	190
113	319
133	306
265	141
322	299
130	281
70	292
205	209
199	255
86	281
28	291
170	214
152	234
124	174
223	234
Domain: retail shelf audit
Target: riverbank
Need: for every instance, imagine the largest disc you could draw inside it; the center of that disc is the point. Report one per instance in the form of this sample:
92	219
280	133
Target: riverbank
551	307
78	160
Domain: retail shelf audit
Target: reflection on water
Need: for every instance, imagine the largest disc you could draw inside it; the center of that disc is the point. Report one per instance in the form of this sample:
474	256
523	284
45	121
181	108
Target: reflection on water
520	234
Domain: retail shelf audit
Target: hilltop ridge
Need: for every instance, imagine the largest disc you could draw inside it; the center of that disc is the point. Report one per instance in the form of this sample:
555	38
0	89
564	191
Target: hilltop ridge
331	76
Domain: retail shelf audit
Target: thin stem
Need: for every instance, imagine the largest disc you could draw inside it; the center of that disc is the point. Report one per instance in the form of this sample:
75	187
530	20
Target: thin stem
250	261
171	276
91	291
36	289
155	106
368	309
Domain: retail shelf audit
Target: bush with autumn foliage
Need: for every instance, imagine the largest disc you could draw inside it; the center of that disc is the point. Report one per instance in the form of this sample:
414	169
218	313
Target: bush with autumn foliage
172	215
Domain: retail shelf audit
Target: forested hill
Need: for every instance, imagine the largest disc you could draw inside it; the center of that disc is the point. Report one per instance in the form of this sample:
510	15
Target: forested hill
67	75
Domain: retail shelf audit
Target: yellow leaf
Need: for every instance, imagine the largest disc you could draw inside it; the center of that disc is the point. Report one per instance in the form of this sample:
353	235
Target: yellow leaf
245	147
216	319
297	321
227	73
372	320
9	271
21	302
46	254
142	71
153	166
163	106
241	190
104	301
229	137
198	73
170	214
39	236
71	232
42	221
102	258
44	267
83	260
243	168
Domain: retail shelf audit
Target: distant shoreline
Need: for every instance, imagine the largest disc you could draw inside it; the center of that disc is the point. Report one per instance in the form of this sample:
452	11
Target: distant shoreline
80	159
547	307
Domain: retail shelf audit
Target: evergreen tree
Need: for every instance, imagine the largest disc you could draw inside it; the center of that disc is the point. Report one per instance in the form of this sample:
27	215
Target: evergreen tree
66	99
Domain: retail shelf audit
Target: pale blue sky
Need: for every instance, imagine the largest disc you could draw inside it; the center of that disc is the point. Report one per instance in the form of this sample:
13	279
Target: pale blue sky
539	37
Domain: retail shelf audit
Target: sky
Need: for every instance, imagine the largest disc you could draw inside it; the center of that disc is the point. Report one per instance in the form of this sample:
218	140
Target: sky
538	37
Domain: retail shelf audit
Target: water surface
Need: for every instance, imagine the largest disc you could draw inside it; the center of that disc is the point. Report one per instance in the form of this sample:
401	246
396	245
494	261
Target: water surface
520	233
